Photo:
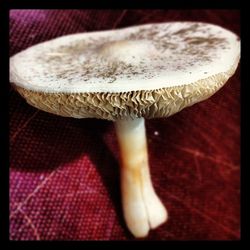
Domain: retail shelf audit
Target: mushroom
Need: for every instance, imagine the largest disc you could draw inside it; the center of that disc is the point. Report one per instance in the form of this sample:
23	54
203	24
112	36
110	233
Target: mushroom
127	75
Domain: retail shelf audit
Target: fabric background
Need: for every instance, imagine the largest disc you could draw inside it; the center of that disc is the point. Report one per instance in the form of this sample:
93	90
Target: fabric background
64	172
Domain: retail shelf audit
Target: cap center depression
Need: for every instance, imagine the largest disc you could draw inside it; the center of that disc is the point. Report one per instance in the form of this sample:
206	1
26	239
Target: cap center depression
126	51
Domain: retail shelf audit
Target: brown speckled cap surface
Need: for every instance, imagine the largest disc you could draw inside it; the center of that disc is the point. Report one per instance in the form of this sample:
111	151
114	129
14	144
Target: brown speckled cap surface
149	71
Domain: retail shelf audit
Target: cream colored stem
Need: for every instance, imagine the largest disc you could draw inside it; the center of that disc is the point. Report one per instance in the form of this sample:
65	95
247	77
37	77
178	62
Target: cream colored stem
141	206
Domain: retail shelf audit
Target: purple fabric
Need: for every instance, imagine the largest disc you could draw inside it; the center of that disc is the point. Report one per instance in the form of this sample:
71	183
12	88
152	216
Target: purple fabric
64	173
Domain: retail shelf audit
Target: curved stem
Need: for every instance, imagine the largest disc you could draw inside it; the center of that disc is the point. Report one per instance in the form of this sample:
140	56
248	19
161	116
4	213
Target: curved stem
141	206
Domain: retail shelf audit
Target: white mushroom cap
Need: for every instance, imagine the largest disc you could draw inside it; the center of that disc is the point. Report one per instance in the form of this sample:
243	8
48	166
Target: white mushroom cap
151	70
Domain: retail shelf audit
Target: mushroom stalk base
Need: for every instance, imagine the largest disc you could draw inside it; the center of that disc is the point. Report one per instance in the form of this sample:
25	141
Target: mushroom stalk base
142	208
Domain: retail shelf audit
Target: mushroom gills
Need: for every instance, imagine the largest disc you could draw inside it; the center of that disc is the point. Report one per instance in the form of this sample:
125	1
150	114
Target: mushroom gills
142	208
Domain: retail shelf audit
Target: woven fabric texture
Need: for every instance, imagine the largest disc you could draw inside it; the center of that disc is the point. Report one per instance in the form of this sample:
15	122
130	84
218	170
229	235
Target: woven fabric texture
64	172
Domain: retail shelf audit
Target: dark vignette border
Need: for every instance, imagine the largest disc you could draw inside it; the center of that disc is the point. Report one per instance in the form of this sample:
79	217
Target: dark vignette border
4	98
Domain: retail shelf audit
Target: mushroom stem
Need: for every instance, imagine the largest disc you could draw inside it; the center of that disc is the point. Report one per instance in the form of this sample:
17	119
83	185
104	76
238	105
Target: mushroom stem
142	208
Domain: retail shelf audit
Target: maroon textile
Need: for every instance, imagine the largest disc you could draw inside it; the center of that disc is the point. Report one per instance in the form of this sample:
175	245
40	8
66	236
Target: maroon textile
64	172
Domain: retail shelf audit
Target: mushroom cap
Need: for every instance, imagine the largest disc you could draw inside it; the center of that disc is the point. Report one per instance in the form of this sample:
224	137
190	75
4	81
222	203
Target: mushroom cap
152	70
